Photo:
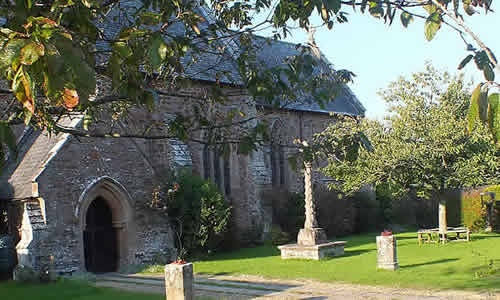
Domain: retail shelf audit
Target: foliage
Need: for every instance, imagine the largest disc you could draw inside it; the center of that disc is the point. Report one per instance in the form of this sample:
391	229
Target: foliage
201	213
473	211
450	266
52	53
384	198
422	146
288	209
278	236
338	215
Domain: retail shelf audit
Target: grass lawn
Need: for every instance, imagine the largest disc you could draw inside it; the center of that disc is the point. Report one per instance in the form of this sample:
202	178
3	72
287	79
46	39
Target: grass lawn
69	290
457	265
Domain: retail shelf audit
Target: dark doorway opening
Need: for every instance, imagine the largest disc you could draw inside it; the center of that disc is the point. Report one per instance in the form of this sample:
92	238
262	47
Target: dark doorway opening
100	238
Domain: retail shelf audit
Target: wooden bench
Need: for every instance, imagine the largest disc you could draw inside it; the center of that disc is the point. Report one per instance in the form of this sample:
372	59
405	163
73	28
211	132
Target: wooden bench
427	235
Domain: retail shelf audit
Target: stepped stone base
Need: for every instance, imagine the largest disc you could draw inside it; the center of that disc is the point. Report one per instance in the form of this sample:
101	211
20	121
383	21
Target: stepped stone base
311	237
315	252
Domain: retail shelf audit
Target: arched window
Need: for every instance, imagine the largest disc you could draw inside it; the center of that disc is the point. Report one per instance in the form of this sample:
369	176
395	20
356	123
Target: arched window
207	170
216	167
277	155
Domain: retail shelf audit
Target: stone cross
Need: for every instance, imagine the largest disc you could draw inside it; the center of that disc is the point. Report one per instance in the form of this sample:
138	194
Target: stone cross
311	234
311	221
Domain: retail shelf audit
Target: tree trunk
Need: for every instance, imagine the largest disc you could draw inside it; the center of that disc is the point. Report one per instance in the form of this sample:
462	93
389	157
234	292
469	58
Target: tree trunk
443	225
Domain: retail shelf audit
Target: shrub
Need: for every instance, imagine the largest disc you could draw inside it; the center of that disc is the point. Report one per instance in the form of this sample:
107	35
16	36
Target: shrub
278	236
288	209
473	212
336	214
200	212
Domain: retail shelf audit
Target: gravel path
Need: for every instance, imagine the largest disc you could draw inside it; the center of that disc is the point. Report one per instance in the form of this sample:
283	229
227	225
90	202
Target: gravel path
254	287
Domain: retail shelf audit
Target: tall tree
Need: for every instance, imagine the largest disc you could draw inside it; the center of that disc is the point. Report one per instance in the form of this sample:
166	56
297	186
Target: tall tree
423	145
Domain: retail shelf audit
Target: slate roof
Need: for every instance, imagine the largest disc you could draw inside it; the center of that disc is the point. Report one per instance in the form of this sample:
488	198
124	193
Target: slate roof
272	53
214	60
35	150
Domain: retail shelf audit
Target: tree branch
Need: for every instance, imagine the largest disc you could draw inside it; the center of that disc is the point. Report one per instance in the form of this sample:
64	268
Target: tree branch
462	24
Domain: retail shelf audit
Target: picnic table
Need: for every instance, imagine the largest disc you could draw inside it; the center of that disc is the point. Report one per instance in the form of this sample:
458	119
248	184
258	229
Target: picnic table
429	235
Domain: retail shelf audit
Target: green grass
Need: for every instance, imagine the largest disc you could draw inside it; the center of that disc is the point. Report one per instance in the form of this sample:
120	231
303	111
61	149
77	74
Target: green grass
69	290
457	265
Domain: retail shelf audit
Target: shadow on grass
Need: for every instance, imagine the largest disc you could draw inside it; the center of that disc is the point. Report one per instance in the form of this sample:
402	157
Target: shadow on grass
430	263
348	253
483	236
214	274
243	253
402	238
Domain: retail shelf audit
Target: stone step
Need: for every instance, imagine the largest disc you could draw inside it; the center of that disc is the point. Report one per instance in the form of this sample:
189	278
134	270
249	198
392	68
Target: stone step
157	286
159	281
161	290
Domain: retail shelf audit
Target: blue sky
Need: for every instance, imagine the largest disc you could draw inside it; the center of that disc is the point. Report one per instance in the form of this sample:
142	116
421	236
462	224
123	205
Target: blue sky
378	54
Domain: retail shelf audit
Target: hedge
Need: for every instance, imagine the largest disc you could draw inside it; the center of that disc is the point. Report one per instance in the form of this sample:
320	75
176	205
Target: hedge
473	213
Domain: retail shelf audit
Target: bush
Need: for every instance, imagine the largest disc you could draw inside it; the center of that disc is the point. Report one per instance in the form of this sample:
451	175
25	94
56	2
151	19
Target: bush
200	213
278	236
473	212
336	214
288	209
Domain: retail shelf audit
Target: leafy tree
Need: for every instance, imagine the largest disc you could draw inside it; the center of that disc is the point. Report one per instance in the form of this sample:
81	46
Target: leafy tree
201	215
422	145
53	52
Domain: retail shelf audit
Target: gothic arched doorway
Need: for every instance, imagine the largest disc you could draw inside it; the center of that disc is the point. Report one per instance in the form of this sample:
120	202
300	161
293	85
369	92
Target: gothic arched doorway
100	238
107	228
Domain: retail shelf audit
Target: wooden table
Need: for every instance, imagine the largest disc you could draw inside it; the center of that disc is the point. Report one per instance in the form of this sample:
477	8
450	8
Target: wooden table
427	235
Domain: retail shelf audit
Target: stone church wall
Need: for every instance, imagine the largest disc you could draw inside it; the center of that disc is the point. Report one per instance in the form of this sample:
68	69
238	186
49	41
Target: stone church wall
78	164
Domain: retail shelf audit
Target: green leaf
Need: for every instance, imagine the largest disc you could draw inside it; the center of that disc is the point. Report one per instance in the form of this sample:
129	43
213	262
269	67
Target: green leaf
473	114
150	18
432	25
10	52
494	116
157	51
467	4
465	61
406	19
31	52
488	73
481	59
376	9
334	5
430	8
483	105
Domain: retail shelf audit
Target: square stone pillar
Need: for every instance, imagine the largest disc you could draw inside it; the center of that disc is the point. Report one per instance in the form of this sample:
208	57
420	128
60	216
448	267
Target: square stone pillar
179	281
387	257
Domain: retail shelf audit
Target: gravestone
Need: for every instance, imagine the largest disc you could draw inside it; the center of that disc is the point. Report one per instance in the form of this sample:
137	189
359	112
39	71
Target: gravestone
311	240
179	281
387	257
